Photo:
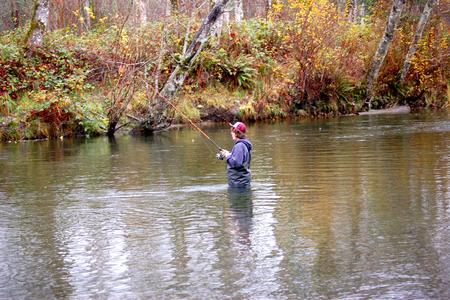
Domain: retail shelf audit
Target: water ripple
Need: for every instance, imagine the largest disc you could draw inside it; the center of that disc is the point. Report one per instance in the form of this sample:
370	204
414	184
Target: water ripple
352	208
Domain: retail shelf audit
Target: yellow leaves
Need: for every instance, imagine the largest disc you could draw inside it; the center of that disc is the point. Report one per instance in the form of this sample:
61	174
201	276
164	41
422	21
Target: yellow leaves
89	11
79	16
188	89
86	12
124	41
247	110
124	38
289	81
277	6
103	20
322	43
139	101
429	64
301	4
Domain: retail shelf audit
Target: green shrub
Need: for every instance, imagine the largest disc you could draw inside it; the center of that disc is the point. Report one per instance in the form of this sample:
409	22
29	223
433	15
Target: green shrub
237	72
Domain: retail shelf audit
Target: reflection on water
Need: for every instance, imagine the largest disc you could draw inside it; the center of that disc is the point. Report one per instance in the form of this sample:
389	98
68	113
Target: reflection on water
241	213
347	208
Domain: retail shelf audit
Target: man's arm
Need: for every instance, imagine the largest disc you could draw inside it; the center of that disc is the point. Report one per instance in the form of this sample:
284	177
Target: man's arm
236	158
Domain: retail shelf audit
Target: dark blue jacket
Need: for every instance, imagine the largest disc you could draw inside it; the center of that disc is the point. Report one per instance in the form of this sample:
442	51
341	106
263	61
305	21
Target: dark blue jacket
238	164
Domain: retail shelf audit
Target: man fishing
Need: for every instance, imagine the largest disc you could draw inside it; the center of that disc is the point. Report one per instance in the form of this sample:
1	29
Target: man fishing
238	160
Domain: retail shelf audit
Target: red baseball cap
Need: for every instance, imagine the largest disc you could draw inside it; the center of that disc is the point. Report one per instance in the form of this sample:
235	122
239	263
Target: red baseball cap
239	126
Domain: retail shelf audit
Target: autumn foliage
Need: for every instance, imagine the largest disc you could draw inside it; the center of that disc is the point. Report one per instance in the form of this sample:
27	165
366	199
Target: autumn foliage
306	58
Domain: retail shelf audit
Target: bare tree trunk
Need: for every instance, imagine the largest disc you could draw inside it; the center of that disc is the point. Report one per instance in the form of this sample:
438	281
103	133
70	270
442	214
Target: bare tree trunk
158	118
417	36
362	13
86	14
341	6
168	9
383	47
352	10
226	20
216	29
14	14
238	11
38	24
143	12
355	11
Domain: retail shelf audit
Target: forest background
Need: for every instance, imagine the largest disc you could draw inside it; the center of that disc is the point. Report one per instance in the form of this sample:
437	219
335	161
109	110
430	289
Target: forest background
89	67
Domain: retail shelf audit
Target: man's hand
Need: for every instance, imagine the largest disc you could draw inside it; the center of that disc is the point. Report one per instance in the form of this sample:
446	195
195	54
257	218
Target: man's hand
225	153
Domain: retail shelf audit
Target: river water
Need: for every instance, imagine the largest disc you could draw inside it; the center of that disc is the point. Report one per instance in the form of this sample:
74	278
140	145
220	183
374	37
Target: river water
349	208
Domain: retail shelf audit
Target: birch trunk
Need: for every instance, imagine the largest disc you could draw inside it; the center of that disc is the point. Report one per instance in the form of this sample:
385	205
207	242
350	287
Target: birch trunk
168	10
142	12
352	10
226	19
85	13
383	47
216	29
238	11
362	14
355	11
417	36
39	23
158	118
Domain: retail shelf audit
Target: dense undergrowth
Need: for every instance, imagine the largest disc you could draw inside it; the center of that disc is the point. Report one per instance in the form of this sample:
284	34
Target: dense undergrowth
263	69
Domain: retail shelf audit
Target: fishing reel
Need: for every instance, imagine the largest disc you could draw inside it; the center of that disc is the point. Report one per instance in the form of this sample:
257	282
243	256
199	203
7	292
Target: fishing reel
220	156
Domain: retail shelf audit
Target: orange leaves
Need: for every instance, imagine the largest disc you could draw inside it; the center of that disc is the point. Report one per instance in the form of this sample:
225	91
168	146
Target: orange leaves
322	50
121	70
428	65
54	114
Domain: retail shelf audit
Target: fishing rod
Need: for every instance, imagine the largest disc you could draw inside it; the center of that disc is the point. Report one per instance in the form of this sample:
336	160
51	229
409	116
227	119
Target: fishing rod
189	120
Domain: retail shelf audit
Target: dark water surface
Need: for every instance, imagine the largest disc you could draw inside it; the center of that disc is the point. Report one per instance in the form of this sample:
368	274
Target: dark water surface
351	208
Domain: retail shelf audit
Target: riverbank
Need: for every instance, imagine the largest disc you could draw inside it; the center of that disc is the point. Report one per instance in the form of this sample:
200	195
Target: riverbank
86	84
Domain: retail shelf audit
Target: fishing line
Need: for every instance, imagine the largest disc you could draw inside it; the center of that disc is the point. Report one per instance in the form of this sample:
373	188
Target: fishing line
189	120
